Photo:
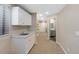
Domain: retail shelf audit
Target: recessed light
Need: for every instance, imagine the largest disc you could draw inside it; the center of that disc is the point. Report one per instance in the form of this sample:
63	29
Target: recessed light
40	14
42	18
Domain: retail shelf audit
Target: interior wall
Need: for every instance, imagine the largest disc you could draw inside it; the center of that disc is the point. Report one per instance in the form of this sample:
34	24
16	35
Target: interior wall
34	19
42	27
19	29
68	28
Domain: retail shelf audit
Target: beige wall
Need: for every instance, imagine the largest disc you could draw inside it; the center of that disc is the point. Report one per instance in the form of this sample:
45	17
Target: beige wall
42	27
34	19
67	26
19	29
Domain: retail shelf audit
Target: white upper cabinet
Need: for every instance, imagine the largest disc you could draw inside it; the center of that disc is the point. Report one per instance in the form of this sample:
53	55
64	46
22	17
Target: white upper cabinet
20	17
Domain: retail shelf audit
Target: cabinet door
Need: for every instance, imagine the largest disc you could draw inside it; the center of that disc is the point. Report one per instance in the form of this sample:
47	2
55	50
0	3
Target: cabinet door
28	45
28	20
30	42
25	18
21	16
15	15
18	45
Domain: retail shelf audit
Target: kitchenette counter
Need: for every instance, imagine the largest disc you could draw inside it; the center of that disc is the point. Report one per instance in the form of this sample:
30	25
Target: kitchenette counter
21	35
22	44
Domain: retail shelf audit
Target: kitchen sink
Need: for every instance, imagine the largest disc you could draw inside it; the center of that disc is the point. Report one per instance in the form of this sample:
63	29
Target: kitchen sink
24	33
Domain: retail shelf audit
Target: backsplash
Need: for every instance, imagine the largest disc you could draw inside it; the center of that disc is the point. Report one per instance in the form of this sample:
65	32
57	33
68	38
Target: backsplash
19	29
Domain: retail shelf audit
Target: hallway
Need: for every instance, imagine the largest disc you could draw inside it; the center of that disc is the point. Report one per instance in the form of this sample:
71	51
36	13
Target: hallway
45	46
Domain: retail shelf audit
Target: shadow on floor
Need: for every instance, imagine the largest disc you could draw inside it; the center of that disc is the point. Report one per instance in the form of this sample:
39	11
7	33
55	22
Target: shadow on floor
53	38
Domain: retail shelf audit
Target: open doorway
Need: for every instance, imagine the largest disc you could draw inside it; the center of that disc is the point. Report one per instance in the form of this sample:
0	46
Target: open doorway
52	28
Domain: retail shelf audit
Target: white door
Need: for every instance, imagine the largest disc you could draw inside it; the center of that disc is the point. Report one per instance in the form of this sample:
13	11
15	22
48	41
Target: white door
42	27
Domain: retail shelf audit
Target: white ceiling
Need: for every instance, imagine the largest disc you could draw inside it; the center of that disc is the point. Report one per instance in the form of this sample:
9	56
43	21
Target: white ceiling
42	9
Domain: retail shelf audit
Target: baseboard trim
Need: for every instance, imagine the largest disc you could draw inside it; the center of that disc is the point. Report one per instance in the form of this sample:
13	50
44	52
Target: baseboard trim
61	47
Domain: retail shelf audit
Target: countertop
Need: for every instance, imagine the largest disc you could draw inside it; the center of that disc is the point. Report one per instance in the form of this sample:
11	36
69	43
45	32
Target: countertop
22	36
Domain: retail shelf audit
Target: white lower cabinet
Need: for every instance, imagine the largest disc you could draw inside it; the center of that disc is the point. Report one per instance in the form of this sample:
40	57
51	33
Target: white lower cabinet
23	45
29	43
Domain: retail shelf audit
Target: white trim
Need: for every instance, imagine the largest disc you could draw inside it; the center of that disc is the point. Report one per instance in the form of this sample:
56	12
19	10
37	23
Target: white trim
62	47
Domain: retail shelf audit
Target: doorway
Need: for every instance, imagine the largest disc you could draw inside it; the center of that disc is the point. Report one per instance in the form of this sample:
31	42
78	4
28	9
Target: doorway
42	26
52	28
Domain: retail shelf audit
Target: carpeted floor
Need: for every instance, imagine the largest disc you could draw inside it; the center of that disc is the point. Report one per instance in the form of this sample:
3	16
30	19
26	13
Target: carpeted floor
45	46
